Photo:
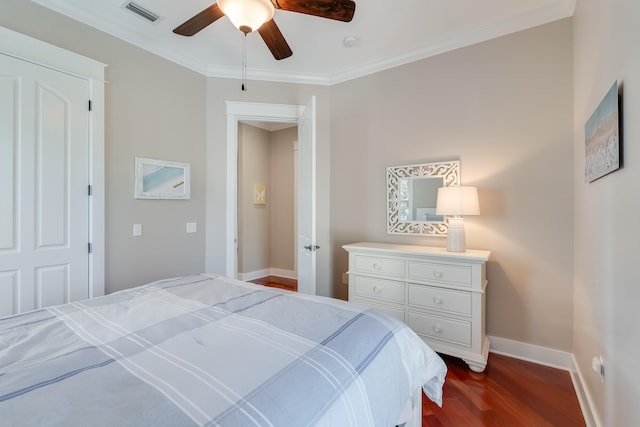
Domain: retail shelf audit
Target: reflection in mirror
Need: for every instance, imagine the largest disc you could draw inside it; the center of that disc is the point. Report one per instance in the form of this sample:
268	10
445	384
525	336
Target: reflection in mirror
418	199
411	197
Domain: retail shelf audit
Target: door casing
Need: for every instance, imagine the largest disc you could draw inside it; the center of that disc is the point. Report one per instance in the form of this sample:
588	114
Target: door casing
42	54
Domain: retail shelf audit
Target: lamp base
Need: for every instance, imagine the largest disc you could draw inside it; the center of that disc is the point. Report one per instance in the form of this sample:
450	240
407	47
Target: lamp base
455	235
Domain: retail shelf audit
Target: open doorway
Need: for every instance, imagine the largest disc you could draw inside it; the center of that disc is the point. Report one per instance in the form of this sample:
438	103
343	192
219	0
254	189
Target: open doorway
305	118
266	210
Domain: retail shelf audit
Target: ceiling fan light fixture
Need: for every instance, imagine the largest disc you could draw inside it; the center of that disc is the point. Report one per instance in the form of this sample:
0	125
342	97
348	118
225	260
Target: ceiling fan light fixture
247	15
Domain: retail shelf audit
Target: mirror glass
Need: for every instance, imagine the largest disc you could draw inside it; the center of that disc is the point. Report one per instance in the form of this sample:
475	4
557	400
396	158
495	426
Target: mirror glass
411	197
418	199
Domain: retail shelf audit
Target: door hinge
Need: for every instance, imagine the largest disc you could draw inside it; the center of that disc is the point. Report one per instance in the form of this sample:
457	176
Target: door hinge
90	247
90	190
89	105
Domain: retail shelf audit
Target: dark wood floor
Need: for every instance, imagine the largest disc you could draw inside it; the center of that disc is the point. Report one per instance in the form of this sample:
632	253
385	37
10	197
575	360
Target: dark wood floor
277	282
509	393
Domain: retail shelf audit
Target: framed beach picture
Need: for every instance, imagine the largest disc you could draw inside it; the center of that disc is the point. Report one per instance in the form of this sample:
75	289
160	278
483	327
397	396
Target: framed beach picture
161	179
602	138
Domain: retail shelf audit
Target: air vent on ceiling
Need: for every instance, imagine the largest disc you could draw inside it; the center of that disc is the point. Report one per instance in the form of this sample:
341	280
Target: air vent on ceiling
141	11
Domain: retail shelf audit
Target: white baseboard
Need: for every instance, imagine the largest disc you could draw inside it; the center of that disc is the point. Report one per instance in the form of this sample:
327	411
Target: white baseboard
532	353
254	275
288	274
584	397
552	358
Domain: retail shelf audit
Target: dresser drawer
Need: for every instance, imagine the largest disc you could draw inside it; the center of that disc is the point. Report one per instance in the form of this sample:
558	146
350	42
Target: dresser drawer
456	331
377	265
454	274
457	302
397	312
381	289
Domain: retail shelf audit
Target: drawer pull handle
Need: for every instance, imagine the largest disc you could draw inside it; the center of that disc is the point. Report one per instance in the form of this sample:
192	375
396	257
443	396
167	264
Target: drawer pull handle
376	266
377	290
437	329
437	300
437	274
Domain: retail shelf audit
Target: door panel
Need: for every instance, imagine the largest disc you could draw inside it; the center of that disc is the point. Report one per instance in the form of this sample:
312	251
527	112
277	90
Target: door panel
9	292
52	283
9	86
44	167
52	172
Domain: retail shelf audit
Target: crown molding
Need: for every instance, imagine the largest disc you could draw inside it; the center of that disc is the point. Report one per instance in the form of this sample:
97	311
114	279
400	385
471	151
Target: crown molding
268	75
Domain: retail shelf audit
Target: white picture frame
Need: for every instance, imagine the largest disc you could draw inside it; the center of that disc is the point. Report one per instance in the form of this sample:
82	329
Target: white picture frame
162	179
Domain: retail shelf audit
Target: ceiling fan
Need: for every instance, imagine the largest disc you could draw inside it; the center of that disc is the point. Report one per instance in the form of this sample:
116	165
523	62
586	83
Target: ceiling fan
242	12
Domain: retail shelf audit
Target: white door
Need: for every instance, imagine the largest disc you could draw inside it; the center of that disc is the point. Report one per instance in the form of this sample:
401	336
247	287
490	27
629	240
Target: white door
44	201
306	198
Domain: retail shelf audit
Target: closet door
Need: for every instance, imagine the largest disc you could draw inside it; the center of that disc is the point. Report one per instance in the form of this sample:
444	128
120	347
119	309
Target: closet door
44	202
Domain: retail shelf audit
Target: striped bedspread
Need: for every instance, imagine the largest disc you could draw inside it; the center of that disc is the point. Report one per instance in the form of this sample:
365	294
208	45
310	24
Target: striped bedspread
208	350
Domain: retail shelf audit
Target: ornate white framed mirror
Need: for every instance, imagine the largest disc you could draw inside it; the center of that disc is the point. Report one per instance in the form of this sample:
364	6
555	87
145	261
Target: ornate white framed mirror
411	197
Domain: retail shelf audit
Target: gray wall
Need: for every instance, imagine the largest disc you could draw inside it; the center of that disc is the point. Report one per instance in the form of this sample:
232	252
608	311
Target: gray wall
606	212
504	109
147	114
282	199
254	221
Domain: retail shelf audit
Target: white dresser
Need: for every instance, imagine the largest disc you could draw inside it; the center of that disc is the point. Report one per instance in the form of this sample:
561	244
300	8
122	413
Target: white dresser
439	294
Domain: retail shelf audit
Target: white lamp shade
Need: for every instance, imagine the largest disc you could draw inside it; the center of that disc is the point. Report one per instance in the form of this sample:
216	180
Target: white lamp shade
457	201
247	13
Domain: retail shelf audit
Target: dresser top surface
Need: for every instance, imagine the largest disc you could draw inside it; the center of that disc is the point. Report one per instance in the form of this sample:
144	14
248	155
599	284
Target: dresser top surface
390	248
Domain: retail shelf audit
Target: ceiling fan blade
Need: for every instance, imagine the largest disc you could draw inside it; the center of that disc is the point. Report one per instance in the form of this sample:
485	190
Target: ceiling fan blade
274	40
199	21
340	10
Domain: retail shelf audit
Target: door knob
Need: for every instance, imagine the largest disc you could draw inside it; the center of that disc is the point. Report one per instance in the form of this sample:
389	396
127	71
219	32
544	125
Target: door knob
312	247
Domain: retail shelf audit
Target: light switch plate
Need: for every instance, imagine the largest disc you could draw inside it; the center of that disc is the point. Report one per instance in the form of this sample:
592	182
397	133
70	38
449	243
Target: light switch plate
137	230
597	364
192	227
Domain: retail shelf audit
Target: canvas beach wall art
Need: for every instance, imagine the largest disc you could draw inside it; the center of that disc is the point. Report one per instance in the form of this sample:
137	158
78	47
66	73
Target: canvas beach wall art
602	138
161	179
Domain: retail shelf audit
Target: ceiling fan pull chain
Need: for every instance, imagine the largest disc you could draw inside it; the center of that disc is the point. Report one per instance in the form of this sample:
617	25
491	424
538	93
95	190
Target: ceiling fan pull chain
244	63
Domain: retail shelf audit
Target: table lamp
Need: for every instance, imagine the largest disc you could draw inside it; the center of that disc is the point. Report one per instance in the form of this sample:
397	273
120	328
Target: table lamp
454	202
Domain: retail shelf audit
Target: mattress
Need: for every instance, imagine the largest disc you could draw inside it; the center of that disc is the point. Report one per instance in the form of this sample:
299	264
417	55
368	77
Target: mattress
213	351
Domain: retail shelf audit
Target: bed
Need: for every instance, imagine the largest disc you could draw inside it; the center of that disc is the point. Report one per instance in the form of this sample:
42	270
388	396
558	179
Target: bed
210	350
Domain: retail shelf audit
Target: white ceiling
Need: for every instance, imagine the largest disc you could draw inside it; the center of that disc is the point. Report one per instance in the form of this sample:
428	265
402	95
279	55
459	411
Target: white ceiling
390	33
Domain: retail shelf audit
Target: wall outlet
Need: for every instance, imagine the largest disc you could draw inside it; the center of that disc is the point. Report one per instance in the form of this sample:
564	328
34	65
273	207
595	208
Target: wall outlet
597	364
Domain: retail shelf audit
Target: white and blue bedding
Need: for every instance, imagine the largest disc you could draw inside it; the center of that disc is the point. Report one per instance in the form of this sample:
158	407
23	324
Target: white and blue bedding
208	350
